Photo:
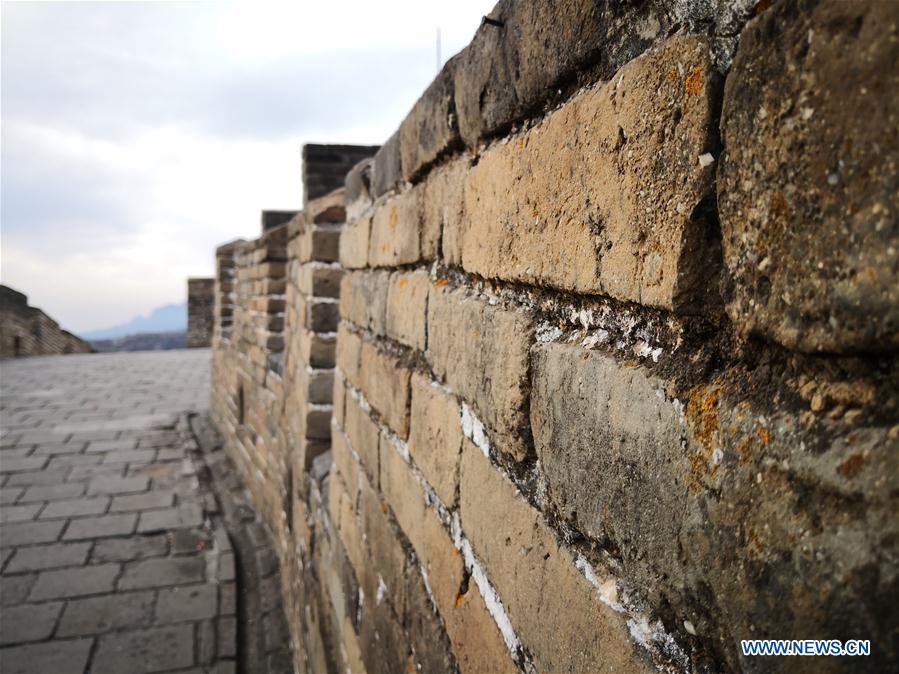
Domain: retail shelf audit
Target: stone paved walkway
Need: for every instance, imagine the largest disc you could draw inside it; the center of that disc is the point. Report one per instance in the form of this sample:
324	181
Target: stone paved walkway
111	559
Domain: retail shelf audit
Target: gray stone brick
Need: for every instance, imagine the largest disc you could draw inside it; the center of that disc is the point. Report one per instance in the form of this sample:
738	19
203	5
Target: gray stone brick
227	599
20	513
118	485
61	448
84	473
29	533
189	541
227	637
28	622
14	589
16	464
188	602
40	557
162	573
111	445
147	501
185	516
58	657
132	456
75	507
37	477
72	460
100	527
129	549
75	582
54	492
9	495
95	615
150	650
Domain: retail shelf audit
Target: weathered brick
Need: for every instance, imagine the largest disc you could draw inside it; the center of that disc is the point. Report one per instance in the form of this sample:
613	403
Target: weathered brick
320	315
39	557
349	355
385	383
387	167
100	527
354	239
188	602
435	437
338	397
363	300
481	352
94	615
357	189
363	435
386	554
319	243
74	582
407	303
29	533
316	350
430	129
808	192
69	656
156	649
556	612
442	210
618	213
402	491
396	230
75	507
28	622
319	281
162	572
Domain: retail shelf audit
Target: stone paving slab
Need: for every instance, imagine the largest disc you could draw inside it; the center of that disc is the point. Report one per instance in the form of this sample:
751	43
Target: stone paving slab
108	558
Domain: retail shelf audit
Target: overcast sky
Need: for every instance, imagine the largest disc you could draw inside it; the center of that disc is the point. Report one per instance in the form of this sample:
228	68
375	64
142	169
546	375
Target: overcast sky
136	136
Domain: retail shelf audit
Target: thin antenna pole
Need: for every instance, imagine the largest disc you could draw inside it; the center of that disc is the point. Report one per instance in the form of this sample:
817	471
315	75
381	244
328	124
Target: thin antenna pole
439	59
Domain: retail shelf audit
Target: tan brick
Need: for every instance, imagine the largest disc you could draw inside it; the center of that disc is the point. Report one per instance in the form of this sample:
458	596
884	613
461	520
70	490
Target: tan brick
407	304
396	231
363	434
321	243
363	299
477	642
326	209
316	350
339	396
344	461
319	281
403	493
386	552
349	353
442	210
481	352
600	197
343	516
385	383
435	437
555	611
354	243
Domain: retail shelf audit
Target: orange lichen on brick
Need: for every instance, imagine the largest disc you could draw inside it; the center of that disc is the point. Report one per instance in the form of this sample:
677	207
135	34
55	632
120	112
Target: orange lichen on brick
693	84
852	465
402	283
441	282
393	216
764	435
702	411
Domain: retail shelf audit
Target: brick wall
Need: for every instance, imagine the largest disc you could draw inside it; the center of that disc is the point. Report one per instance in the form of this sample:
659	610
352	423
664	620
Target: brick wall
28	331
616	374
200	306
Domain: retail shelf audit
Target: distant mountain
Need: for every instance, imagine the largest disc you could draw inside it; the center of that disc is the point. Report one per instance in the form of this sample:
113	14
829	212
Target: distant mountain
156	341
170	318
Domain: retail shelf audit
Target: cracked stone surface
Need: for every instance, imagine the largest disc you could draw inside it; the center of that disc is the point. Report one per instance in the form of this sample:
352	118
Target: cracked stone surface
110	545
